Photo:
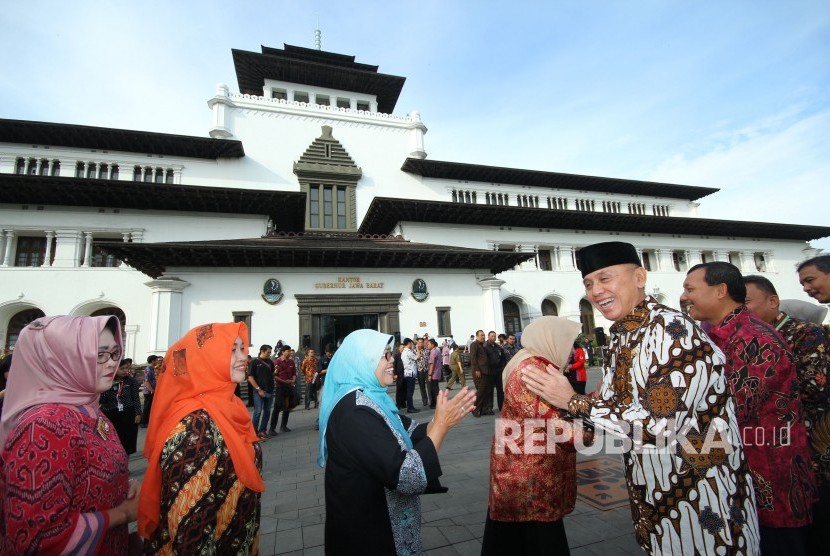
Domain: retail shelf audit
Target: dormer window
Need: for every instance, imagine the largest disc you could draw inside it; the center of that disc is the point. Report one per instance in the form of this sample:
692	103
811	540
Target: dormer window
363	105
343	102
301	96
322	100
328	176
280	94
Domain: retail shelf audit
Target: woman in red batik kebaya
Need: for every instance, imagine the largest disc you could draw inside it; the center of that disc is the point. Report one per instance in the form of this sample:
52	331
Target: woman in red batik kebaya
63	473
532	486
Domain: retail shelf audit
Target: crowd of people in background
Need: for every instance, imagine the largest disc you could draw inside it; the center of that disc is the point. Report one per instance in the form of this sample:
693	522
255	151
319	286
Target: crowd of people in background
70	408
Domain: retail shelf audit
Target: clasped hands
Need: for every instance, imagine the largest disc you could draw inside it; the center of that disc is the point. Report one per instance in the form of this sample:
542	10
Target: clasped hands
552	386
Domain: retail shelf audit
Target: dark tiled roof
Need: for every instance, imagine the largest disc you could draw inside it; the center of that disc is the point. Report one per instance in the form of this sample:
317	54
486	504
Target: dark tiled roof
123	140
308	251
550	180
305	66
385	213
286	209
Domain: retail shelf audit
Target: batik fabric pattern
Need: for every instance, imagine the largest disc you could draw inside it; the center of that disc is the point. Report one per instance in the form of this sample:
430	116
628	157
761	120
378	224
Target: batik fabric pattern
663	374
762	376
205	509
526	485
63	475
810	345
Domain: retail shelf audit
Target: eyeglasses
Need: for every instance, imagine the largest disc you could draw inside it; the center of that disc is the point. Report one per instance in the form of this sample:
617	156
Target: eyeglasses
104	356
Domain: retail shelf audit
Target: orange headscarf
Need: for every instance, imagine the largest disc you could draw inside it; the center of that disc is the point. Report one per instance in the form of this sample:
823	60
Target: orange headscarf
196	375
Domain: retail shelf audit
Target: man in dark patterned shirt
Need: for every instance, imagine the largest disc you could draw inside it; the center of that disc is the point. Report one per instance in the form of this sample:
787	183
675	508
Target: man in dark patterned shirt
662	375
810	345
762	374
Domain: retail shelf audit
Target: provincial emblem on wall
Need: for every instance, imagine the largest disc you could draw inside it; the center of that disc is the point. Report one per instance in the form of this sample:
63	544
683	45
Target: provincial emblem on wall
272	291
419	290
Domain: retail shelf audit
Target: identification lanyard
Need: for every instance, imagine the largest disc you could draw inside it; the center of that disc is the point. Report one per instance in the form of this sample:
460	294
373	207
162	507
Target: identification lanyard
118	396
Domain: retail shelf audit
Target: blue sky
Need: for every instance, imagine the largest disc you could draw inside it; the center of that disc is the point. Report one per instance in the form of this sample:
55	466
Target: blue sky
729	94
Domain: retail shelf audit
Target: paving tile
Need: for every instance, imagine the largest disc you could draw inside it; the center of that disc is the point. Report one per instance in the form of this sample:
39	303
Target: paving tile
456	533
313	535
289	541
431	537
468	548
293	504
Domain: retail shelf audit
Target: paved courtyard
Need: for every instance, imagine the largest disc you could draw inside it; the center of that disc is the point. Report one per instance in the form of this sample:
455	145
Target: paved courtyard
293	504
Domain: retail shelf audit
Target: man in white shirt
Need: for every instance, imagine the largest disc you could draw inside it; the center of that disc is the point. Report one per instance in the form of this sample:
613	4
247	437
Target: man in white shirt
410	373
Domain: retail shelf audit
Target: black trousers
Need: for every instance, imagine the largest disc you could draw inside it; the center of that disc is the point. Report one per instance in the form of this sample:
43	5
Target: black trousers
400	392
820	529
422	382
524	537
148	406
433	392
282	402
497	381
784	541
125	426
484	393
410	391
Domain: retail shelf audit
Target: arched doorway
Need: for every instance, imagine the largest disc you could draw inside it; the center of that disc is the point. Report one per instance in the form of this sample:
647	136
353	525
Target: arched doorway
586	317
549	308
17	323
115	312
512	317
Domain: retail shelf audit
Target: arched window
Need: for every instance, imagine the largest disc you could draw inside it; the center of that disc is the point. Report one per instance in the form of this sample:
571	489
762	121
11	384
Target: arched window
586	316
18	322
512	317
549	308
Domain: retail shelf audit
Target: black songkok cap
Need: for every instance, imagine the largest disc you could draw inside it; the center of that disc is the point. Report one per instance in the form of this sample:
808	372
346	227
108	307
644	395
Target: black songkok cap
610	253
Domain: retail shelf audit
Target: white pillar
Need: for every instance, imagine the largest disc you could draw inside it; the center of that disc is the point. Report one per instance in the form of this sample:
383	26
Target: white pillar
50	235
130	333
87	250
566	258
417	132
221	105
126	237
166	312
67	248
529	264
664	260
747	262
7	254
770	262
693	257
722	256
493	315
68	166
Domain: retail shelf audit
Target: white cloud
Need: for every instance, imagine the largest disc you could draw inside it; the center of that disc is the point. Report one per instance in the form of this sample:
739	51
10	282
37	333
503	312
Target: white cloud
776	169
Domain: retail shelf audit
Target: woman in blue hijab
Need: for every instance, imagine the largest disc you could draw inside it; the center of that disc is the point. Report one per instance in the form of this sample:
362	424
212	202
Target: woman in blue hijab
377	461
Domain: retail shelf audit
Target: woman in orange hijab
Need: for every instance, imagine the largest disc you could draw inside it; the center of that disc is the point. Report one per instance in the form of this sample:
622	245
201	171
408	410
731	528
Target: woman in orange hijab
201	492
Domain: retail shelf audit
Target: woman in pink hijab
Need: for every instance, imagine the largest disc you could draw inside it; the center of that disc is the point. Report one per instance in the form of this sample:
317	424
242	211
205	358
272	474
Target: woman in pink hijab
63	473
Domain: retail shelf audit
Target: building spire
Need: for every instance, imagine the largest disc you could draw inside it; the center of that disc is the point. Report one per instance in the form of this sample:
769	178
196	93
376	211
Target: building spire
317	36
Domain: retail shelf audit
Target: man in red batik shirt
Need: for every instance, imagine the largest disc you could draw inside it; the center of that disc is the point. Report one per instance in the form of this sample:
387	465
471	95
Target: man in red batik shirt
762	374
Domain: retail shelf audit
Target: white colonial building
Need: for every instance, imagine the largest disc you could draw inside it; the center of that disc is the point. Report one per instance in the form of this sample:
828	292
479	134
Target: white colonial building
312	209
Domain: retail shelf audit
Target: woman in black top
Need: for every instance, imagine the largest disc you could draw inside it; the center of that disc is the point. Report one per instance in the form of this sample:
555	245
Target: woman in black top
377	461
120	404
